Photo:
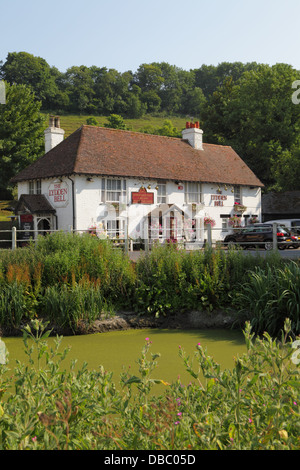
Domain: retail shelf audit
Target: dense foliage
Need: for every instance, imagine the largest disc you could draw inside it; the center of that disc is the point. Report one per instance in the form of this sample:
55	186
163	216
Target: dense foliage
247	106
71	280
21	133
253	406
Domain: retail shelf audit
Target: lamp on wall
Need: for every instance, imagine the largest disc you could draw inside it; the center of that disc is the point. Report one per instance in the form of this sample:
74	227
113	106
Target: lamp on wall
90	179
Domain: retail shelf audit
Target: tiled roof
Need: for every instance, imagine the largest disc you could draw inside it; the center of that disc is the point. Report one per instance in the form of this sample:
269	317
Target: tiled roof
110	152
34	203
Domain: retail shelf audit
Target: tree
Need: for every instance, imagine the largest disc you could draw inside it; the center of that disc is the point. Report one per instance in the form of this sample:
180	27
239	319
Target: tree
135	108
26	69
193	102
151	100
149	77
92	121
21	132
210	77
167	129
285	168
115	122
256	116
79	84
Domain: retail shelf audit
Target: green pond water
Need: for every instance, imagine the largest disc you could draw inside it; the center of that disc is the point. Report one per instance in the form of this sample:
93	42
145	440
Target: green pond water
120	349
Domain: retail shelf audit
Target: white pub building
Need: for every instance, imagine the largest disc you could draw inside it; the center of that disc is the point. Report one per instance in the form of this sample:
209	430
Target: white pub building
119	184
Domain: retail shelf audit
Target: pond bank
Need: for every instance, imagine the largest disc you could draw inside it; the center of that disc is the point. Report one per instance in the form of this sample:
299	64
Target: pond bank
129	320
185	321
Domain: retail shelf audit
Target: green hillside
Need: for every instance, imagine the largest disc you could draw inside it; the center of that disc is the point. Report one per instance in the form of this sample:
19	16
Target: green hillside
72	122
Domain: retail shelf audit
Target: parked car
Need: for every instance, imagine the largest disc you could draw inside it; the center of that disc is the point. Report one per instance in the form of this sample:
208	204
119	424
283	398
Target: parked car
292	226
259	235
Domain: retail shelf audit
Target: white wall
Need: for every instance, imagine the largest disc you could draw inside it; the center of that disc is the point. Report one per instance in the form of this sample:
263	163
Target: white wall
89	210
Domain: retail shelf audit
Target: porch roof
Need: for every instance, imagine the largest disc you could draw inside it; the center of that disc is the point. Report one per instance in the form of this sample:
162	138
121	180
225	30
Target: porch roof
34	203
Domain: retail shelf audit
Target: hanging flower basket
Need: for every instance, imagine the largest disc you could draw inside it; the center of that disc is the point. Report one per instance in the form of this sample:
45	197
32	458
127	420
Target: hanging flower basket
234	221
92	230
253	220
209	221
238	207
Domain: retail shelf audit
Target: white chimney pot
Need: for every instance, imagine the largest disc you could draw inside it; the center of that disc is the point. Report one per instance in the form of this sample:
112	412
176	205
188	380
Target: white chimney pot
54	135
194	135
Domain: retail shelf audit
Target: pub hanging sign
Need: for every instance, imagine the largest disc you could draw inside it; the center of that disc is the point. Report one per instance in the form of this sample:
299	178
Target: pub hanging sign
58	194
142	197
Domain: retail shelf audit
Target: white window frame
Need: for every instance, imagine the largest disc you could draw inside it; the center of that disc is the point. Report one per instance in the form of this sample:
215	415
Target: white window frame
31	187
162	192
38	187
113	190
238	194
115	228
193	192
35	187
225	225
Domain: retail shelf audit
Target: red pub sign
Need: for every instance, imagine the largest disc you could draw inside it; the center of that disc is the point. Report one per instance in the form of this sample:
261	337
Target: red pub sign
142	197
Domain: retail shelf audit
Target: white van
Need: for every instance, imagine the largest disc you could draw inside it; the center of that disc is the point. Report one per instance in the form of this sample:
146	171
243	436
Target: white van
293	225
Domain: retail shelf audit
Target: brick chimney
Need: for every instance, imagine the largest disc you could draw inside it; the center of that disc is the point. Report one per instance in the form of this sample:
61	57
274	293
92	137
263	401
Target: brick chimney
54	135
193	134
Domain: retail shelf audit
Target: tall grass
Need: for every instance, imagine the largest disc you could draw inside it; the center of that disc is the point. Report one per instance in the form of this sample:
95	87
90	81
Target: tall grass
269	296
68	278
74	278
74	306
171	280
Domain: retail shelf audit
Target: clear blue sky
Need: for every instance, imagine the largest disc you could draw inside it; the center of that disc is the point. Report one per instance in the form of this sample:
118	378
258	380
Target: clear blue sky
123	34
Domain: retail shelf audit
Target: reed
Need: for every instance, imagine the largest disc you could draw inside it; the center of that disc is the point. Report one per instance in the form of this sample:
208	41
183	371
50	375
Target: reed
165	281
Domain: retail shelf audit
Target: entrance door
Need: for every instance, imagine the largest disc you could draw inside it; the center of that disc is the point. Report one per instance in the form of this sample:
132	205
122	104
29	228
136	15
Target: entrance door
43	226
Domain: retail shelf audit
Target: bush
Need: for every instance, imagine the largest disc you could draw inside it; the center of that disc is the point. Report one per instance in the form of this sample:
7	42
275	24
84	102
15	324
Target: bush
268	296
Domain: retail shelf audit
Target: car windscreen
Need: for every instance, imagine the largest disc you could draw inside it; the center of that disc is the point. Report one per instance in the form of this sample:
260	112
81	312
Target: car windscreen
283	229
